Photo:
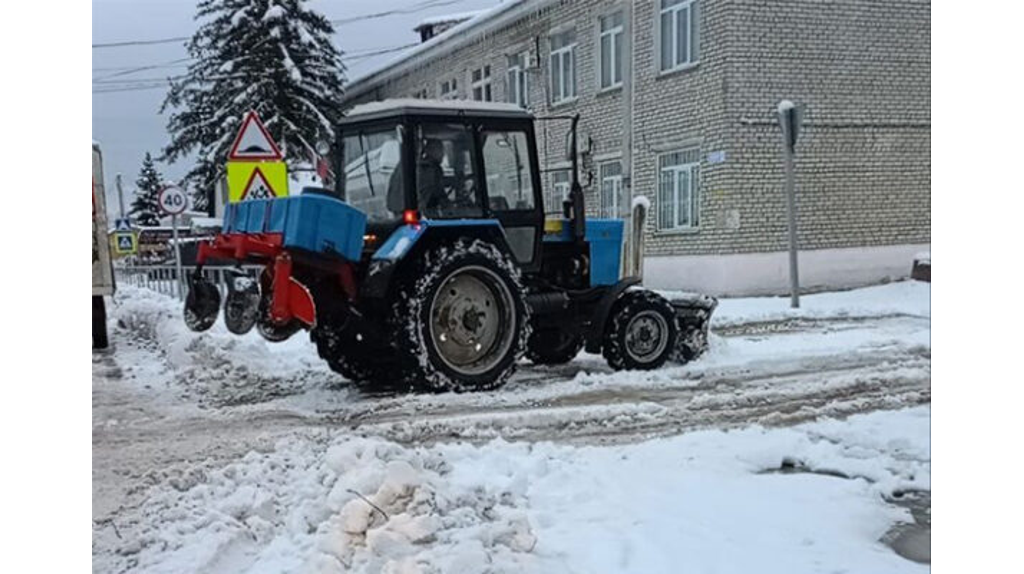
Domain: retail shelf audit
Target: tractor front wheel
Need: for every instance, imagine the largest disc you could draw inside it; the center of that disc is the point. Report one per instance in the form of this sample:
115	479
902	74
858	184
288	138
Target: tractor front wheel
641	333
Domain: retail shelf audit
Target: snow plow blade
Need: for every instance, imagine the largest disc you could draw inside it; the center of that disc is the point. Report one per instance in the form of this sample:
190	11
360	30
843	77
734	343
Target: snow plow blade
693	316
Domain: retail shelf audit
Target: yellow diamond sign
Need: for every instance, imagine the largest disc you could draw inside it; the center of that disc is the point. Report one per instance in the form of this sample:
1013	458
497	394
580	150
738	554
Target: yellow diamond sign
256	180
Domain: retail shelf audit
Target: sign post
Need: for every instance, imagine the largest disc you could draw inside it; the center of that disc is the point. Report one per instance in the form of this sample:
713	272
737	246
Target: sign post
172	200
791	119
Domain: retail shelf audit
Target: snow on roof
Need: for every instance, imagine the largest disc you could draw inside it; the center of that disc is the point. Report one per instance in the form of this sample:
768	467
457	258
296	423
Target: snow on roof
422	105
454	37
445	19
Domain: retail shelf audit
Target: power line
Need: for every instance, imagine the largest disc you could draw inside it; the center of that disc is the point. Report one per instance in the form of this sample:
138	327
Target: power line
410	10
428	4
126	71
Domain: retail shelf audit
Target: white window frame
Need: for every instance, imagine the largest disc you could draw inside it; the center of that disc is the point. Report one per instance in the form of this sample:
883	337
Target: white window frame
517	80
674	173
453	89
615	36
483	84
693	16
559	58
610	183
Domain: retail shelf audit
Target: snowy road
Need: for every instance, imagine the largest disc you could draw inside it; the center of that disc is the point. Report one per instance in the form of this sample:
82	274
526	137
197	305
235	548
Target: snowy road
172	409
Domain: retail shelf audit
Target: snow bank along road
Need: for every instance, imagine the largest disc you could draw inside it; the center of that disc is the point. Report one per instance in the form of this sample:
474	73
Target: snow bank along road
217	453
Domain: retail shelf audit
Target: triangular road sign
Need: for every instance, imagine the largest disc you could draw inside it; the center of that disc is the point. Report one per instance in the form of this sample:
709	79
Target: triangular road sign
258	187
253	142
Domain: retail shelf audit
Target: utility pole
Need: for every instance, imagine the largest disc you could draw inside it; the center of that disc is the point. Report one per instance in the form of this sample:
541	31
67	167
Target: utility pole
790	119
120	195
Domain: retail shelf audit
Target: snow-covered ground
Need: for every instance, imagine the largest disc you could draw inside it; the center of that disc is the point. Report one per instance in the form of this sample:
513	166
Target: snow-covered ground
788	448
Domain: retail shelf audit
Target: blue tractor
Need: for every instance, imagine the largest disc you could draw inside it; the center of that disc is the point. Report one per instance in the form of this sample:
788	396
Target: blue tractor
431	265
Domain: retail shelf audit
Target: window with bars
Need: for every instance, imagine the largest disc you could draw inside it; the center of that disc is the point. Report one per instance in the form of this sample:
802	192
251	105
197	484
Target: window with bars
610	71
556	193
450	89
563	66
679	189
611	189
481	84
679	34
518	91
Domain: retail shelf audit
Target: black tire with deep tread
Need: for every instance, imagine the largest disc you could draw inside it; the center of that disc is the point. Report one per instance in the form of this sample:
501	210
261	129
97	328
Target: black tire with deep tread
417	362
631	303
553	347
369	370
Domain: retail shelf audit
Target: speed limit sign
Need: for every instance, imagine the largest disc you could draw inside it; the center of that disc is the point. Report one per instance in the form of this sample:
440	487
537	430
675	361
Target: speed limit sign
172	200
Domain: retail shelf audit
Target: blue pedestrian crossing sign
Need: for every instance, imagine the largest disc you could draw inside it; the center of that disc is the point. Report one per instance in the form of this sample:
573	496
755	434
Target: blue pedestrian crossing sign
122	224
125	243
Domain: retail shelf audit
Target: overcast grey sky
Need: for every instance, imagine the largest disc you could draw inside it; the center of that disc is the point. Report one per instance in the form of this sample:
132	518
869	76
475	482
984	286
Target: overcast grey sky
128	124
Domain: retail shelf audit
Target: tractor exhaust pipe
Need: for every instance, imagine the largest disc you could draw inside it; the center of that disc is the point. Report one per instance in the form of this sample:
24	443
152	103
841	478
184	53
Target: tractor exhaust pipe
575	202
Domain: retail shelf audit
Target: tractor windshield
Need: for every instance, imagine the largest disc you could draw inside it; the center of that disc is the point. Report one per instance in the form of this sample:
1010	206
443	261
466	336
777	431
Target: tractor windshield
373	172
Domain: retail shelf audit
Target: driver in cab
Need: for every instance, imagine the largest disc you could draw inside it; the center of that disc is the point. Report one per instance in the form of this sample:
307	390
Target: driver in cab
443	195
430	178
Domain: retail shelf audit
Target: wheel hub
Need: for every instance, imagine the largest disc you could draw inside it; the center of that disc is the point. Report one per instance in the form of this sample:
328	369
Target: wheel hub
646	336
470	320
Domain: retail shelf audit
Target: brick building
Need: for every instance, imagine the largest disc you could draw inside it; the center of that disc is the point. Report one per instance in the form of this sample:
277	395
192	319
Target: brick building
677	100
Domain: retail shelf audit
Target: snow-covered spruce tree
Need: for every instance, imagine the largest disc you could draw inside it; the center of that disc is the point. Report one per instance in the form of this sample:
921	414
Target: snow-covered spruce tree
272	56
144	208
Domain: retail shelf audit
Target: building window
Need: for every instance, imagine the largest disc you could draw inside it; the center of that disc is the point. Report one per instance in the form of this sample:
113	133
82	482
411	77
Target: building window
557	192
481	84
563	66
678	189
611	51
450	89
611	189
679	31
421	94
518	87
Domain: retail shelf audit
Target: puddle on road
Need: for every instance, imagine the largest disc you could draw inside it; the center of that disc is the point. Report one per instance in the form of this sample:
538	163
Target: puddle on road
911	540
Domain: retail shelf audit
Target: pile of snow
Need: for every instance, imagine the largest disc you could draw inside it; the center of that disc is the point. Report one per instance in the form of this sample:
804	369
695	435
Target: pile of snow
900	298
216	357
711	500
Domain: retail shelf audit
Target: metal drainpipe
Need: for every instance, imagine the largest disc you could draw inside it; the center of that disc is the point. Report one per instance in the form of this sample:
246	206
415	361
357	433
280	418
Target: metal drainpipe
632	262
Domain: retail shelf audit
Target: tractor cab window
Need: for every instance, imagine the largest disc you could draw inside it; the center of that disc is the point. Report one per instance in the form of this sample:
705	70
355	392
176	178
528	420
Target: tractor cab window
446	186
509	173
372	178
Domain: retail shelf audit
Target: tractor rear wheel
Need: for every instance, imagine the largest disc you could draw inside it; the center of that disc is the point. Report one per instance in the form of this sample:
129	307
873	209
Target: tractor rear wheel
553	347
460	318
641	333
367	368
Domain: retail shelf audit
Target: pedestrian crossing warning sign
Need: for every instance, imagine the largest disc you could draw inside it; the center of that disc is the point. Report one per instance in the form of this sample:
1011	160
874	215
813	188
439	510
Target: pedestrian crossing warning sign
257	180
125	243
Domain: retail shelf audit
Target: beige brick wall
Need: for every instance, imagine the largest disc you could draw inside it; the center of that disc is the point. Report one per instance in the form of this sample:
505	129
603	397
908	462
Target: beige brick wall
862	67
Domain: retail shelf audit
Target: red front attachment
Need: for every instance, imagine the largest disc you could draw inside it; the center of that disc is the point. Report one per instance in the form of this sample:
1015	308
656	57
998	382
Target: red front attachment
290	299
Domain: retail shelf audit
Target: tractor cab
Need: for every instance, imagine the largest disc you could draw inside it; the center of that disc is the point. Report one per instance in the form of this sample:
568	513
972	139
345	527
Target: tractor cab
400	161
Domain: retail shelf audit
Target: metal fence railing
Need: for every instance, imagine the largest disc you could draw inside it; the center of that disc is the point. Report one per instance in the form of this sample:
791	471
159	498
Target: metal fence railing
164	278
